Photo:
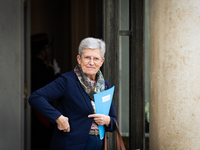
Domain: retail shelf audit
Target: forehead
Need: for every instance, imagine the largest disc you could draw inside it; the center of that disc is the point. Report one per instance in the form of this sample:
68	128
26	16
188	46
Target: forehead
92	52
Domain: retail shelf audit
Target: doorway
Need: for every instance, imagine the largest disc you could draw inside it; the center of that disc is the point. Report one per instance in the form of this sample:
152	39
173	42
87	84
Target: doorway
66	23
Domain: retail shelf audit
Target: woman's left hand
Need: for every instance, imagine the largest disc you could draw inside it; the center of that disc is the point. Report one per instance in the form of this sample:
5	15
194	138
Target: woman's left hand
100	119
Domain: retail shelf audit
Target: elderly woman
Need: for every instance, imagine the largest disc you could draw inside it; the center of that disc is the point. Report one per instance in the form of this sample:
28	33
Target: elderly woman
77	124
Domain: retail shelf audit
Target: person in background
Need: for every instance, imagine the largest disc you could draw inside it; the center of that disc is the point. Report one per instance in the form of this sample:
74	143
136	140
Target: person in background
41	74
76	122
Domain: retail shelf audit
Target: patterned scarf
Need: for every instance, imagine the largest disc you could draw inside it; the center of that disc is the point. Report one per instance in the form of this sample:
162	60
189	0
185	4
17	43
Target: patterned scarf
86	83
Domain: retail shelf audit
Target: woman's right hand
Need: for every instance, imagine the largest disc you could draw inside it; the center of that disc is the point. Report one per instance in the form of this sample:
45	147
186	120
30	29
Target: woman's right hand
63	123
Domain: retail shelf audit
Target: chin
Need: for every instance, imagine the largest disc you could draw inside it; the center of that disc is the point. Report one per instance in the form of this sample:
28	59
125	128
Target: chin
91	73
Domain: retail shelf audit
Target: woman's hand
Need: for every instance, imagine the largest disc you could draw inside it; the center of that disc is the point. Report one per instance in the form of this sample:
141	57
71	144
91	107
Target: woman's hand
101	119
63	123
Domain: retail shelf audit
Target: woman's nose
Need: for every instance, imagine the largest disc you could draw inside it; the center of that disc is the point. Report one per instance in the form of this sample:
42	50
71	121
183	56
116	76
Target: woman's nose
91	61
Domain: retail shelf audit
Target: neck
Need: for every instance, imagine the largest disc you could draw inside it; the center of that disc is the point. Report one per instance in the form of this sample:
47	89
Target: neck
92	78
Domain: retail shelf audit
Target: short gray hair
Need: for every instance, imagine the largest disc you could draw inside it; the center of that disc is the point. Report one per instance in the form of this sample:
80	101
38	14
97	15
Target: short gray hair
92	43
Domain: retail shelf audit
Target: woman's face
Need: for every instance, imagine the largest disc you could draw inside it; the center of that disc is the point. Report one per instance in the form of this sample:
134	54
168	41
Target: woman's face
90	62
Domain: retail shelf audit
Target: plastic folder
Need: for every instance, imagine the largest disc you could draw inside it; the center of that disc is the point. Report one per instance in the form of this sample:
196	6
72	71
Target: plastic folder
103	102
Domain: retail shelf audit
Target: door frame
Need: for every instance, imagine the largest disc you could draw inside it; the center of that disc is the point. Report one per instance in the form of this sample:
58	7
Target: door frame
111	70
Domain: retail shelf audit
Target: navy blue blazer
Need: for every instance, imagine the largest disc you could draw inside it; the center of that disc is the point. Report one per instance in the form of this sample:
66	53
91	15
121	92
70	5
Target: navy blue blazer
73	103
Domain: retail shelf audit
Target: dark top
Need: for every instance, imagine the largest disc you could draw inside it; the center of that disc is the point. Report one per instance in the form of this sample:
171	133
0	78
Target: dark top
41	128
73	103
41	74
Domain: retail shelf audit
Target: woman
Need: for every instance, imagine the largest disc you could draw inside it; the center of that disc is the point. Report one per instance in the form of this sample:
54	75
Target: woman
77	123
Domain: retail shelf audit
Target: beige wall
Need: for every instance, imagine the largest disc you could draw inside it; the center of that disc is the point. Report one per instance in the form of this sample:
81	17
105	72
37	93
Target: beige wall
174	75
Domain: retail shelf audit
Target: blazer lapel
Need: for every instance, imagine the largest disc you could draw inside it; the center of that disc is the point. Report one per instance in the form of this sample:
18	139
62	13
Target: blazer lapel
85	96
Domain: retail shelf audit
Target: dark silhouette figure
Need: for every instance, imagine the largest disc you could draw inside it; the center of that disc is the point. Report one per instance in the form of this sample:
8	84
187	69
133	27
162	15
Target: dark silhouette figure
41	74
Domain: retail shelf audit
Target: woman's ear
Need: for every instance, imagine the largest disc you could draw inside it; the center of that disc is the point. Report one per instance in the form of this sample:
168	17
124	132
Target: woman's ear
79	59
102	61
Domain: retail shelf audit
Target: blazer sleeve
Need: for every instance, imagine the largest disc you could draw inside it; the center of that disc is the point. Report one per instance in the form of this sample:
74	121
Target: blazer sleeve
40	99
112	113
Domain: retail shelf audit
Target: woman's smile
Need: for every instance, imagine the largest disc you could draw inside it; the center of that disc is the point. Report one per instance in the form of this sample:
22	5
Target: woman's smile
91	67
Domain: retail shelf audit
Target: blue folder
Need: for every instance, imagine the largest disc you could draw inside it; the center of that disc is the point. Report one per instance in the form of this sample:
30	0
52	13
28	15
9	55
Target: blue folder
103	101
